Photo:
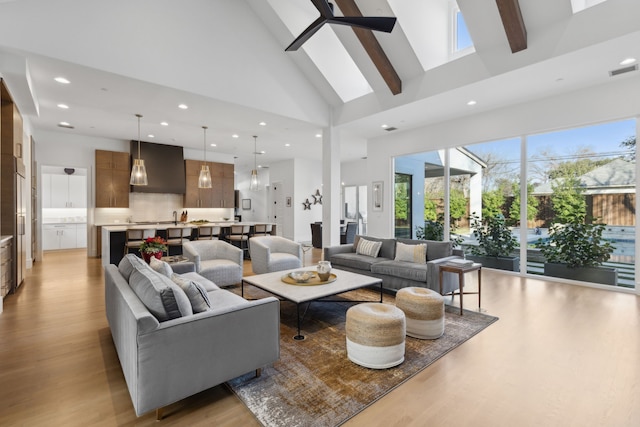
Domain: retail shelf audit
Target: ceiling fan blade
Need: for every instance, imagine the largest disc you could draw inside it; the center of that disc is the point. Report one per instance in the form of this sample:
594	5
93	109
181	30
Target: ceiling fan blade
323	7
385	24
306	34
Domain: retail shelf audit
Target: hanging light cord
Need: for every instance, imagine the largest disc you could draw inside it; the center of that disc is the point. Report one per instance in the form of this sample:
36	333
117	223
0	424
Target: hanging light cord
204	144
139	117
255	151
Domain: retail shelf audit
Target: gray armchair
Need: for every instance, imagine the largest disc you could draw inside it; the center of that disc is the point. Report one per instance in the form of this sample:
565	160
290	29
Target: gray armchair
218	261
274	253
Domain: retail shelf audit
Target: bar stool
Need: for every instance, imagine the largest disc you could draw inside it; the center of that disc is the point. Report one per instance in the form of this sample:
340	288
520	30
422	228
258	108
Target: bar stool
208	232
176	236
239	236
133	238
262	229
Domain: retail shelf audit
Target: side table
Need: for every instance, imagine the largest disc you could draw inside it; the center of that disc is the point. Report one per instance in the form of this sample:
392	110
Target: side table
460	270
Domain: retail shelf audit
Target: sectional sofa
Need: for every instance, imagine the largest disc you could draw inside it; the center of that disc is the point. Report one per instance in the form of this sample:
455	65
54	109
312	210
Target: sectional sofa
397	262
172	344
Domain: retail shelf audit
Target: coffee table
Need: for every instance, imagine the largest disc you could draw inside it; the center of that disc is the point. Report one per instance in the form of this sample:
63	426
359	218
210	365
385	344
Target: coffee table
303	293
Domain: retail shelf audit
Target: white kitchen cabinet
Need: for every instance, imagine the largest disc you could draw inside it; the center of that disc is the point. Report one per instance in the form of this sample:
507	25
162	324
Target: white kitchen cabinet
59	236
65	191
81	235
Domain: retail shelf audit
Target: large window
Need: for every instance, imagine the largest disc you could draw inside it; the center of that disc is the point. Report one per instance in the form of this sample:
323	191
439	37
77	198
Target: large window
580	179
402	202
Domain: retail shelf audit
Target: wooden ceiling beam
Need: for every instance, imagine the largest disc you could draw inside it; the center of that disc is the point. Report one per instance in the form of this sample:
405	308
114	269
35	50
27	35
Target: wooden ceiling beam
373	48
513	24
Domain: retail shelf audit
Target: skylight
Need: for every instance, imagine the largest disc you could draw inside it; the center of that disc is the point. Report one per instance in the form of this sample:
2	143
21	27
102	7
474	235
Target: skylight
435	29
580	5
324	49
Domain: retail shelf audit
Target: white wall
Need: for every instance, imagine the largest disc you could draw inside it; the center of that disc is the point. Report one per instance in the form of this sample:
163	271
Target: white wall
614	101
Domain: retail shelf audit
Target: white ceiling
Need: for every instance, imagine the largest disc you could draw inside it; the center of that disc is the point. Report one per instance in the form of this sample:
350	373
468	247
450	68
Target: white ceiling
226	60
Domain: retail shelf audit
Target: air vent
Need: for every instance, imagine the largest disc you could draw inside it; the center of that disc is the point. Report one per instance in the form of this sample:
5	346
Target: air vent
65	126
623	70
391	128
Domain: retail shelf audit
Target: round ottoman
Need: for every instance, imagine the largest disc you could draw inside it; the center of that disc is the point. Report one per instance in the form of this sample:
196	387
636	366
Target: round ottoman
375	335
424	310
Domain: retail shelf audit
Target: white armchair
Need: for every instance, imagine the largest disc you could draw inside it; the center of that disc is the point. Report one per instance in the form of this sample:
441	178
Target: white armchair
274	253
218	261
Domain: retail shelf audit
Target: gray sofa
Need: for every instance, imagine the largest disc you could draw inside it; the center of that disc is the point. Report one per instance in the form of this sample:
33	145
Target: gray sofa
164	361
397	274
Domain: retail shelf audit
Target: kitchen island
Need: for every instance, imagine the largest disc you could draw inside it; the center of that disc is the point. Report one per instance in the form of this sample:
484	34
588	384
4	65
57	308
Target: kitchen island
113	236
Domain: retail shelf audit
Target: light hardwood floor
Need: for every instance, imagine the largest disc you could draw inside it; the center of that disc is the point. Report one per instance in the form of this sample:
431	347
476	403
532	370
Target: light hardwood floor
560	355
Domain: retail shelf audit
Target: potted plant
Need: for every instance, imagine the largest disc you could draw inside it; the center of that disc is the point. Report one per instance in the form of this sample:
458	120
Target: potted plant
576	250
153	246
496	243
434	230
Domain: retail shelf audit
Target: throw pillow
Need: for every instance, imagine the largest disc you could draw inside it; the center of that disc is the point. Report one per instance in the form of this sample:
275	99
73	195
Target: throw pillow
161	267
163	298
368	248
411	253
195	292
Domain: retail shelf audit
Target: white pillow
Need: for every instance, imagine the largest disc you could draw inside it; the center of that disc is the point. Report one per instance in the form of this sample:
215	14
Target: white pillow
368	247
411	253
161	267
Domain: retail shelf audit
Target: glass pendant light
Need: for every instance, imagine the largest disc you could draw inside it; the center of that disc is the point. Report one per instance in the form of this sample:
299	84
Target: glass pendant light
204	181
254	184
138	171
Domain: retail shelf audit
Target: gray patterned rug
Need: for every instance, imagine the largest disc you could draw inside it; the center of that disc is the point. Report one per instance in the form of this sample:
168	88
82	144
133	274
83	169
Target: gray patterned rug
314	383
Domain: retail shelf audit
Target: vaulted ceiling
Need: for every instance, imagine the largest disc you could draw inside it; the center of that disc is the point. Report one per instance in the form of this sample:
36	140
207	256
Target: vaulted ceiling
225	59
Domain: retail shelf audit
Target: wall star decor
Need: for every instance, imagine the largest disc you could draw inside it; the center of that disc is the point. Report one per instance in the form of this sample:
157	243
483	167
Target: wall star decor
306	205
317	198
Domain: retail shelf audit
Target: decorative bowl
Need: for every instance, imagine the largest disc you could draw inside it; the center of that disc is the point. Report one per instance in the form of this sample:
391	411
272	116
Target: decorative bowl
301	276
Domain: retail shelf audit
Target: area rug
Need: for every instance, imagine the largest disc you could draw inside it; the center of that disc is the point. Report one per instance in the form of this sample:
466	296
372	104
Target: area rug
314	383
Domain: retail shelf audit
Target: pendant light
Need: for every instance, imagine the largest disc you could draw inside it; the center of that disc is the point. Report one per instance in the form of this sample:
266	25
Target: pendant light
254	184
204	181
138	171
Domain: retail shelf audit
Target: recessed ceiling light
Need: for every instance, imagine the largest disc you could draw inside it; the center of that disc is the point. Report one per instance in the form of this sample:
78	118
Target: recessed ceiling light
214	145
318	135
287	145
472	102
164	124
262	124
62	80
151	135
627	61
64	124
384	126
63	106
235	135
183	106
262	152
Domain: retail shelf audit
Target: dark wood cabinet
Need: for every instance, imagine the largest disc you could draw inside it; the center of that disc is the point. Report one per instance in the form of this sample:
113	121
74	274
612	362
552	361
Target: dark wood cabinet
112	179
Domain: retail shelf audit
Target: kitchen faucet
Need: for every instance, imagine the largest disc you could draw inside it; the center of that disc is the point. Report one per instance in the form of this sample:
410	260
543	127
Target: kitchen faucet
175	218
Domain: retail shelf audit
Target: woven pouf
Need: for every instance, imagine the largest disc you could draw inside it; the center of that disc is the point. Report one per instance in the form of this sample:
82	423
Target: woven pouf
375	335
424	310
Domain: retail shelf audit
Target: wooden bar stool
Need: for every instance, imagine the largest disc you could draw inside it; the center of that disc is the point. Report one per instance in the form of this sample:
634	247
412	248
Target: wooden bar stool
176	236
239	236
133	238
262	229
208	232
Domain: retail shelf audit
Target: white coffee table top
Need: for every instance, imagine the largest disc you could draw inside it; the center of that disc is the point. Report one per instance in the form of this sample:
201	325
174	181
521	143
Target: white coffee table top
345	281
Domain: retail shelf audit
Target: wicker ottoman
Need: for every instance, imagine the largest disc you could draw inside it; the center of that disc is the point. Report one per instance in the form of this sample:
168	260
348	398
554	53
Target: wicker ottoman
424	310
375	335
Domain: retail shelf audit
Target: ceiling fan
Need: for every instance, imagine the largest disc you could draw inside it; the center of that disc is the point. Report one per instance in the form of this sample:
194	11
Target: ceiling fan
325	8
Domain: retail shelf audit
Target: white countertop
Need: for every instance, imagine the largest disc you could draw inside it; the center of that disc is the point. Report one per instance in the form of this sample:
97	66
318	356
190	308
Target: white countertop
163	226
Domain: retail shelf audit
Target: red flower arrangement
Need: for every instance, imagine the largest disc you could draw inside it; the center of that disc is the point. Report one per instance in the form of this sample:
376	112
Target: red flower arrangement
153	245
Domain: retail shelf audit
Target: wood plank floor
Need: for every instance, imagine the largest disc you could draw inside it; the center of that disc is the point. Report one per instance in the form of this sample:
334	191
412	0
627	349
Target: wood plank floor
560	355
